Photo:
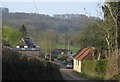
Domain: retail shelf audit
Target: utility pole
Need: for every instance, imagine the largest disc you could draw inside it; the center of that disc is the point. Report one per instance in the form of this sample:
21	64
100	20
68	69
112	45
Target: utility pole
51	43
64	35
68	47
50	56
68	42
65	41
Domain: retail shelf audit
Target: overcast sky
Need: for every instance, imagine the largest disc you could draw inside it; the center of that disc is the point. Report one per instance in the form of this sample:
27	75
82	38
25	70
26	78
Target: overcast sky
52	0
51	7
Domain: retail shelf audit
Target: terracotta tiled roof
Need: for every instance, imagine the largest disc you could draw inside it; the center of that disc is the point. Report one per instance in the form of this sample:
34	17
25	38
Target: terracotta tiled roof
82	53
77	53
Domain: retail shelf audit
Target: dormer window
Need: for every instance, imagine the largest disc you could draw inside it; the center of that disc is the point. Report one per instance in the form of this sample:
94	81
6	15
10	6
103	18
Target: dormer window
25	46
17	46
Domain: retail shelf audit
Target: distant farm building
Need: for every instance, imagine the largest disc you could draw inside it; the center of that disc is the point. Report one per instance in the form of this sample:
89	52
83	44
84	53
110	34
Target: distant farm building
27	46
25	43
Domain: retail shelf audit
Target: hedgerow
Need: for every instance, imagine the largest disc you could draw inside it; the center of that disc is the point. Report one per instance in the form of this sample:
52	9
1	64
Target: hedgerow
16	66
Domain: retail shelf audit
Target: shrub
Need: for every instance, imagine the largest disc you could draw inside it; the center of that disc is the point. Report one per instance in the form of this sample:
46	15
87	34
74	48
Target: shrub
94	69
112	69
10	36
54	56
61	57
88	67
5	43
101	68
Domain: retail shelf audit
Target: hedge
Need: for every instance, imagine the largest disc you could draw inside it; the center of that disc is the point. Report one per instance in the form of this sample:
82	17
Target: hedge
94	69
16	66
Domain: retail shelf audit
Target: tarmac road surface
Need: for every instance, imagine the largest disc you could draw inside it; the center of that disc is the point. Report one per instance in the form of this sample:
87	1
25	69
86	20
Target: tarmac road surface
69	75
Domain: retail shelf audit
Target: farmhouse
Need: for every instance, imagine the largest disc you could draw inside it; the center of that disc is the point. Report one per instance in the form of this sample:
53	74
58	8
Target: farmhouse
60	51
25	43
27	46
85	53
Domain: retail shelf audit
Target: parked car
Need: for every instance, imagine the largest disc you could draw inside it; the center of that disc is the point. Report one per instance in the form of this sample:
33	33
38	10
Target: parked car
64	61
69	66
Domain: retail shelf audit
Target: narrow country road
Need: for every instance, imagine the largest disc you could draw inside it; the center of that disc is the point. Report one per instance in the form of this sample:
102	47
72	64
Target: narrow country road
68	73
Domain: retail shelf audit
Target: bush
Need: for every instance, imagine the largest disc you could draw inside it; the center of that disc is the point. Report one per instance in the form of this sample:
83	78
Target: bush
96	69
88	67
61	57
112	69
10	36
54	56
101	68
5	43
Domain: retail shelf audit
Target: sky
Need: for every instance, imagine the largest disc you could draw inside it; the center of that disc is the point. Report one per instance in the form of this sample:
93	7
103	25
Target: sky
51	8
52	0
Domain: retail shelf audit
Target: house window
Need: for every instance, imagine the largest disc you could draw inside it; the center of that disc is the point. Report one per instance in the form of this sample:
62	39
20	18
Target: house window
17	46
25	46
21	46
78	63
34	46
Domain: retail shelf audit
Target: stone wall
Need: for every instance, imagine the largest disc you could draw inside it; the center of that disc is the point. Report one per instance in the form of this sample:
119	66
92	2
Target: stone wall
35	53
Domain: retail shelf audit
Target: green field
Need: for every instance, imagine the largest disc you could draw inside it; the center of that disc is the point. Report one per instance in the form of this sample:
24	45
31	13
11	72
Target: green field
72	48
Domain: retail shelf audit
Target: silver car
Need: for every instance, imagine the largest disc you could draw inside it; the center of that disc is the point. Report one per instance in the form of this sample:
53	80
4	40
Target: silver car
69	66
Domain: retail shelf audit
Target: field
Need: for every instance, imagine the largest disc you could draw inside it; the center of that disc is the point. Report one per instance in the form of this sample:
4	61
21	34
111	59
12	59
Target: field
72	48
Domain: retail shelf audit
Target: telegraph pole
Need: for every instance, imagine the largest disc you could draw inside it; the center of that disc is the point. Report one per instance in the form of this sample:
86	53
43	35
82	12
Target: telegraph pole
68	42
64	36
68	47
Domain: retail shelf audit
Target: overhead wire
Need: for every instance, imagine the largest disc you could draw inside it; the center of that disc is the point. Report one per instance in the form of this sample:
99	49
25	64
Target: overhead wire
35	7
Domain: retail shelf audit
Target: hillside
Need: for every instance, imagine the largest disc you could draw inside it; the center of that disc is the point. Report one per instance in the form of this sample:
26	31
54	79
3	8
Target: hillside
59	22
61	26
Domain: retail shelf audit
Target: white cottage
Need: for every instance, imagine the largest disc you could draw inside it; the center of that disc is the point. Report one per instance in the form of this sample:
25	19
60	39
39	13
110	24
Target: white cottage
80	55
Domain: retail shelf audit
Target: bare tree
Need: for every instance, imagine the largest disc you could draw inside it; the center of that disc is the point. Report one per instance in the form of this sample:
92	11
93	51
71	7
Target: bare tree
46	40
